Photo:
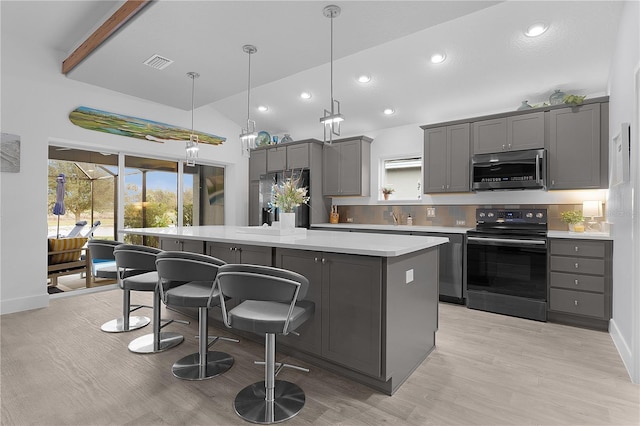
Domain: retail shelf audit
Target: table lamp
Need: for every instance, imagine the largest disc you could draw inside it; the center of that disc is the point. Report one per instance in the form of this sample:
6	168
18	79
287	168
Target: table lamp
592	209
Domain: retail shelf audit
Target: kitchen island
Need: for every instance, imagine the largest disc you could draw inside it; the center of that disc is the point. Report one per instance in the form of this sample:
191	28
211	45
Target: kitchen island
376	296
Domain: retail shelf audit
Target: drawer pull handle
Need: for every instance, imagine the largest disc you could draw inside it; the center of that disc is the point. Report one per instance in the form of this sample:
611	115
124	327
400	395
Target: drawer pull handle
577	266
576	281
575	303
577	249
315	260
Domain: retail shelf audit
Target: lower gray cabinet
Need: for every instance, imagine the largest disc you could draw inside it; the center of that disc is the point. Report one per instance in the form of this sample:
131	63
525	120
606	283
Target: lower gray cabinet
347	291
176	244
580	277
241	253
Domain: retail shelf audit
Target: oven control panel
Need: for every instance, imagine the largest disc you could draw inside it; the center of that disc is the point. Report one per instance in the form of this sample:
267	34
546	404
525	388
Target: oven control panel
511	216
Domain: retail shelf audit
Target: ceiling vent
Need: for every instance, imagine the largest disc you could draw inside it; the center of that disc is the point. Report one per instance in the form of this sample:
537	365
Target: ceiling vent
158	62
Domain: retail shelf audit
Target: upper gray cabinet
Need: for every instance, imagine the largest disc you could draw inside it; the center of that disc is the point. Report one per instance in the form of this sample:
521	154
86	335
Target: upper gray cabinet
446	159
298	156
578	147
257	164
276	159
346	167
513	133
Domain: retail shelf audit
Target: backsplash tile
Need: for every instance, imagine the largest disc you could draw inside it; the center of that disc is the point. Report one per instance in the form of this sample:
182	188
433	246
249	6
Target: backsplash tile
445	215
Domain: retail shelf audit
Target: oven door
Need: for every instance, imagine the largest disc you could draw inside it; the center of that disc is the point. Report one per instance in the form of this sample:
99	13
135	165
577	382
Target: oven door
507	275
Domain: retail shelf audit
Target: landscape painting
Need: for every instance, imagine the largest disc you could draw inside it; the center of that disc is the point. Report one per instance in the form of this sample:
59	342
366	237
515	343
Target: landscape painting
140	128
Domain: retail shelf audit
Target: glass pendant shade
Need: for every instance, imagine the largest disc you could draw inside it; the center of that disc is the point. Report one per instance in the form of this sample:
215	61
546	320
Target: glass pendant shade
331	119
192	144
248	135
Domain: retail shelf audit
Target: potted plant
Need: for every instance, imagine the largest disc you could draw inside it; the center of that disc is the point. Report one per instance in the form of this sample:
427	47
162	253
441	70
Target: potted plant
386	191
287	196
575	220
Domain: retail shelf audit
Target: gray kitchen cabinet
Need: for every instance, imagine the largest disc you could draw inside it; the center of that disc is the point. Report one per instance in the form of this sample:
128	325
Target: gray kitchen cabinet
240	253
446	159
257	164
514	133
298	156
308	264
347	324
580	277
255	211
578	147
346	167
276	159
176	244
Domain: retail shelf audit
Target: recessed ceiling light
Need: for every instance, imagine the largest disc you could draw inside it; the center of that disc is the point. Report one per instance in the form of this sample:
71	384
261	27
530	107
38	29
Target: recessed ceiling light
263	108
388	111
364	78
535	30
437	58
305	95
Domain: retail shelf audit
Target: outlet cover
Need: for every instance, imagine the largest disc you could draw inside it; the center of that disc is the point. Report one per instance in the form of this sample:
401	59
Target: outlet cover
409	276
431	212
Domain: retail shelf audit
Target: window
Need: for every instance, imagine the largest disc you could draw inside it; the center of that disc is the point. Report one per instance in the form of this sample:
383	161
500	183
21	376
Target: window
403	176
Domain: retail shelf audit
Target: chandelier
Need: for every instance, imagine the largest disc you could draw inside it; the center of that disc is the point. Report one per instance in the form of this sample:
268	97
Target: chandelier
331	119
192	143
249	134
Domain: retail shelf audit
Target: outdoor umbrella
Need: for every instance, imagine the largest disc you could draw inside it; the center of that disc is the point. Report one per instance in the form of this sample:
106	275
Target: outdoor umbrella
58	207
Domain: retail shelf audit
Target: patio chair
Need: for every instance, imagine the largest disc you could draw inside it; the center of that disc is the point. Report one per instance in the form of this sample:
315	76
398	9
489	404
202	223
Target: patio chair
89	233
76	229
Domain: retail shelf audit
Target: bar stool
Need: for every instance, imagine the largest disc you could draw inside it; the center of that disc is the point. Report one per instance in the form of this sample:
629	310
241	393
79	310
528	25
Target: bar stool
271	304
192	277
102	252
142	258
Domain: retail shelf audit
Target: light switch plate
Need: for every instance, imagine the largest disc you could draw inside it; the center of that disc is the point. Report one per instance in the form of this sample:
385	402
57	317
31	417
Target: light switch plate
409	276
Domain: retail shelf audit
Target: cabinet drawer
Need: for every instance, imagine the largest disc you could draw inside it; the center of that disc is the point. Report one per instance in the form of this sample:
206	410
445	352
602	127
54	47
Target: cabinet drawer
577	282
578	248
577	265
576	302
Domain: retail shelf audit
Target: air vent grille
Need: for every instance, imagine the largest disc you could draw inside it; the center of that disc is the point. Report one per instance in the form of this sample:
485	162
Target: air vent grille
158	62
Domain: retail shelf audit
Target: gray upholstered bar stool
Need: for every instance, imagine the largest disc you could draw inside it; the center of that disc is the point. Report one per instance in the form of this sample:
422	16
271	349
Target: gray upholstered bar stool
141	258
272	303
193	277
102	251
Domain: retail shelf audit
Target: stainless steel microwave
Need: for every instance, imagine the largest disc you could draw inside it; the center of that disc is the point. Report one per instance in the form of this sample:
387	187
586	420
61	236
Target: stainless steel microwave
511	170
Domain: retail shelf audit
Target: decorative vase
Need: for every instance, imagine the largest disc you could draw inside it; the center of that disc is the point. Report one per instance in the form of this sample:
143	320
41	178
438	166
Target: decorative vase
556	97
576	227
525	105
287	220
386	196
287	138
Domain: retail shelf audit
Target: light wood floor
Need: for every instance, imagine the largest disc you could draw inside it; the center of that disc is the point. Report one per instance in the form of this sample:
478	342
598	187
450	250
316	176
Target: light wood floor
58	368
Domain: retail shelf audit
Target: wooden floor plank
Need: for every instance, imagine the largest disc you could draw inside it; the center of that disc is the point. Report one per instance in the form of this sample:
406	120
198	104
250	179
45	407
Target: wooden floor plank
58	368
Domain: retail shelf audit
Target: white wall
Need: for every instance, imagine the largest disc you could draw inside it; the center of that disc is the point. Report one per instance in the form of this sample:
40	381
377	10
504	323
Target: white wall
621	211
36	101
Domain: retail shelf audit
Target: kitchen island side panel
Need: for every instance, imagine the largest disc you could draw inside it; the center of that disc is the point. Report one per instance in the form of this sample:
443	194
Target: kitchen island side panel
411	317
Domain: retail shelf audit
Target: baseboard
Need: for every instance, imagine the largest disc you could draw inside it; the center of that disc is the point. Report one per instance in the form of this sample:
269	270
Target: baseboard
623	348
24	303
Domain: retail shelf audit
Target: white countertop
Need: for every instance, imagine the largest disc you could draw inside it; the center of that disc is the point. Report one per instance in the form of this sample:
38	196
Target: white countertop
398	228
580	235
367	244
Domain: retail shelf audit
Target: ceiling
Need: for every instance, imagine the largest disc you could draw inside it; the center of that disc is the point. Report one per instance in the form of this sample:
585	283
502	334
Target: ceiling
491	66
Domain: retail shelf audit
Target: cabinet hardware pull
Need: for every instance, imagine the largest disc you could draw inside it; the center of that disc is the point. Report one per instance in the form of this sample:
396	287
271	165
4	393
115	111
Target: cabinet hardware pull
315	260
509	146
503	148
230	248
324	260
576	247
575	303
576	281
577	266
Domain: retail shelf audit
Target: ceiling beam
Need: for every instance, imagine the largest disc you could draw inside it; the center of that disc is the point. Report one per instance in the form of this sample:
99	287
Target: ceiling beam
126	12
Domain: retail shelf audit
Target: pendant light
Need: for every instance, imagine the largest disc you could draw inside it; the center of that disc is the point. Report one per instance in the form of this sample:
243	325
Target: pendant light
192	143
331	119
249	134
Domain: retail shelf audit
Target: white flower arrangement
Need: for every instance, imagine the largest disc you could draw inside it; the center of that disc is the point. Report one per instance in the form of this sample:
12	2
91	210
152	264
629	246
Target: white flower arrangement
288	195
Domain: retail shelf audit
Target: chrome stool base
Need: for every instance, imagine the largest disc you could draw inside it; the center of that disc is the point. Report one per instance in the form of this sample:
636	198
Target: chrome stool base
288	400
189	368
146	344
117	325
